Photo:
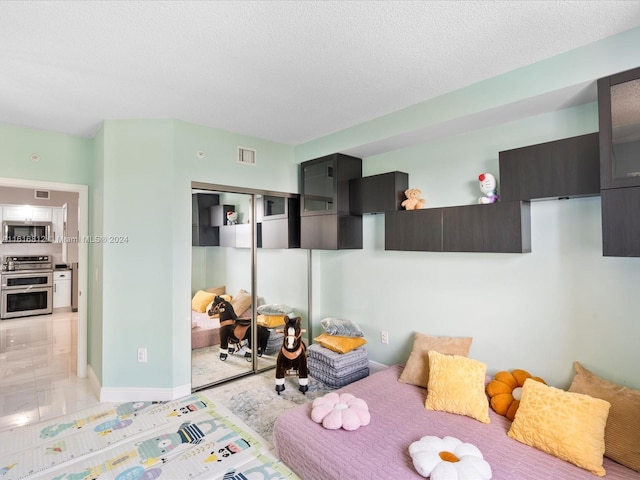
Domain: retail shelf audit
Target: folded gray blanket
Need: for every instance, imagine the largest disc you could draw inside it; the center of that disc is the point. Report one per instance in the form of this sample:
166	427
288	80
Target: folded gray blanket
335	359
333	382
316	365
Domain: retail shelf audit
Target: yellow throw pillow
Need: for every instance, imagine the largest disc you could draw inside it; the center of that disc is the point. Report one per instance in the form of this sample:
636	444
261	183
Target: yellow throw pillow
622	433
270	321
567	425
416	371
338	343
456	385
200	301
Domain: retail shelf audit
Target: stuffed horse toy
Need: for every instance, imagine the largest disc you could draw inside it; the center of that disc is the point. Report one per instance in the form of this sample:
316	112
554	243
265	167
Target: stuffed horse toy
292	357
232	329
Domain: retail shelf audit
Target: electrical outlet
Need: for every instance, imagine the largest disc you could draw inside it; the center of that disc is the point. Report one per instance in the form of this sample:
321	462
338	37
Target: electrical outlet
384	336
142	355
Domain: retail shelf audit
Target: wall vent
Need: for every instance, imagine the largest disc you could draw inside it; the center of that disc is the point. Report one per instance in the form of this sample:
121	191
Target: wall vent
42	194
246	156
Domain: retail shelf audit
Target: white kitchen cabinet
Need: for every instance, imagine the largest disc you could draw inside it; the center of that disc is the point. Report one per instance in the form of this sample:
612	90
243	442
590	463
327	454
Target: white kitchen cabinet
22	213
57	224
62	289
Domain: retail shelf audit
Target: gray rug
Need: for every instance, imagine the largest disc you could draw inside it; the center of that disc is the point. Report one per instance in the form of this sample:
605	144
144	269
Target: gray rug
255	400
207	368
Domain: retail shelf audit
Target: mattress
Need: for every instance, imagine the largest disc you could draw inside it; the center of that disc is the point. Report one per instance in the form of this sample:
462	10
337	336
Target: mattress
205	331
398	418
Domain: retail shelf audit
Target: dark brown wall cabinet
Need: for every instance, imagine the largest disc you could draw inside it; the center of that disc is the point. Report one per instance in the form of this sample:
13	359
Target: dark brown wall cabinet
203	234
503	227
413	230
563	168
378	193
326	222
621	222
619	116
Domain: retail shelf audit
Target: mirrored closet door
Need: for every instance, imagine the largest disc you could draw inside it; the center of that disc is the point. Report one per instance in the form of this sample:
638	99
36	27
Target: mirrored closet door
230	265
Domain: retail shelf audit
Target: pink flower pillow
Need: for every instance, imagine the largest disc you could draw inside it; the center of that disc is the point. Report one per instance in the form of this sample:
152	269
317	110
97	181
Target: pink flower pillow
343	410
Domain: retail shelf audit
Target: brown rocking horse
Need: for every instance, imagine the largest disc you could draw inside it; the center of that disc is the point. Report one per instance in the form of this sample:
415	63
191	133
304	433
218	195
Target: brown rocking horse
233	330
292	357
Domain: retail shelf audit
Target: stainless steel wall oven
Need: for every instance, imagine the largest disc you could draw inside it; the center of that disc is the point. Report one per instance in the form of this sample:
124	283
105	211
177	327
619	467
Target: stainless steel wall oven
26	292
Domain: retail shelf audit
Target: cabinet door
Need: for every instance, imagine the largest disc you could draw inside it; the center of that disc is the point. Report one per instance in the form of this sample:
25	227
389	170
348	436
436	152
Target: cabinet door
62	289
413	230
331	232
202	232
41	214
503	227
621	222
563	168
57	222
378	193
619	123
23	213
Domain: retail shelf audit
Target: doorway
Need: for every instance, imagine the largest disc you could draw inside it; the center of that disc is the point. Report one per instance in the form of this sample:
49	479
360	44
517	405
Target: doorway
83	256
229	260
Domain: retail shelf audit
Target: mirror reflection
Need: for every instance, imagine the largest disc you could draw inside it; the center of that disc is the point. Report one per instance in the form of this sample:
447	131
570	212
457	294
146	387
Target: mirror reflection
231	337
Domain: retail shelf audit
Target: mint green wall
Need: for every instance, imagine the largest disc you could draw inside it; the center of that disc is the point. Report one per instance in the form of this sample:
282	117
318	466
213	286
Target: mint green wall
539	311
63	158
137	274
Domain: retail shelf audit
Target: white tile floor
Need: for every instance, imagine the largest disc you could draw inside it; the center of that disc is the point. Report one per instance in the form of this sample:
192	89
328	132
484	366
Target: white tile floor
37	370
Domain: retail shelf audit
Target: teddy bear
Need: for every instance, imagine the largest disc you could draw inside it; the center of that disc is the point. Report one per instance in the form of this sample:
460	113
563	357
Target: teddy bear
413	201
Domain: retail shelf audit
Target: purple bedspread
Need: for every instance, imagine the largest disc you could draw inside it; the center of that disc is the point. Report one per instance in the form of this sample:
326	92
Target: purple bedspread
398	417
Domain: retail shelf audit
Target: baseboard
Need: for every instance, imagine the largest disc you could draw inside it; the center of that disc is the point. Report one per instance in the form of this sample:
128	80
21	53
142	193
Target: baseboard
123	394
94	383
376	367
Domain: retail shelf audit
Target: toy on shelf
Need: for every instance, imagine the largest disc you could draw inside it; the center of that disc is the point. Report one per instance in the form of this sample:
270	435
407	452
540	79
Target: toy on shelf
232	218
489	187
413	201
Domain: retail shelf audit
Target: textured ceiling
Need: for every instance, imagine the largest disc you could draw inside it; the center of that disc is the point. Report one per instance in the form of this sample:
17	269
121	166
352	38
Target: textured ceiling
284	71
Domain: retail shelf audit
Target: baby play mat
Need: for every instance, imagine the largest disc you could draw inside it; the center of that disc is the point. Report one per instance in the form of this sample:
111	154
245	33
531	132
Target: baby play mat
191	437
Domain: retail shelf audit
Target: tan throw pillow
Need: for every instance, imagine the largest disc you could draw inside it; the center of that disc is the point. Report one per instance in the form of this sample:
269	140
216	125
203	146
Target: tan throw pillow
241	302
622	433
456	385
338	343
567	425
200	301
217	290
416	371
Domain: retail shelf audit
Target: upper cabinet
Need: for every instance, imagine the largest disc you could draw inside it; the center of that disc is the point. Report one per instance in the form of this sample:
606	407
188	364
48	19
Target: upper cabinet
25	213
378	193
619	116
202	232
563	168
326	222
280	220
503	227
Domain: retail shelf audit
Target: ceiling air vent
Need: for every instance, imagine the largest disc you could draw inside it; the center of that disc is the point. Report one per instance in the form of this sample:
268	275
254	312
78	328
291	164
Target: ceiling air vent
42	194
246	156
